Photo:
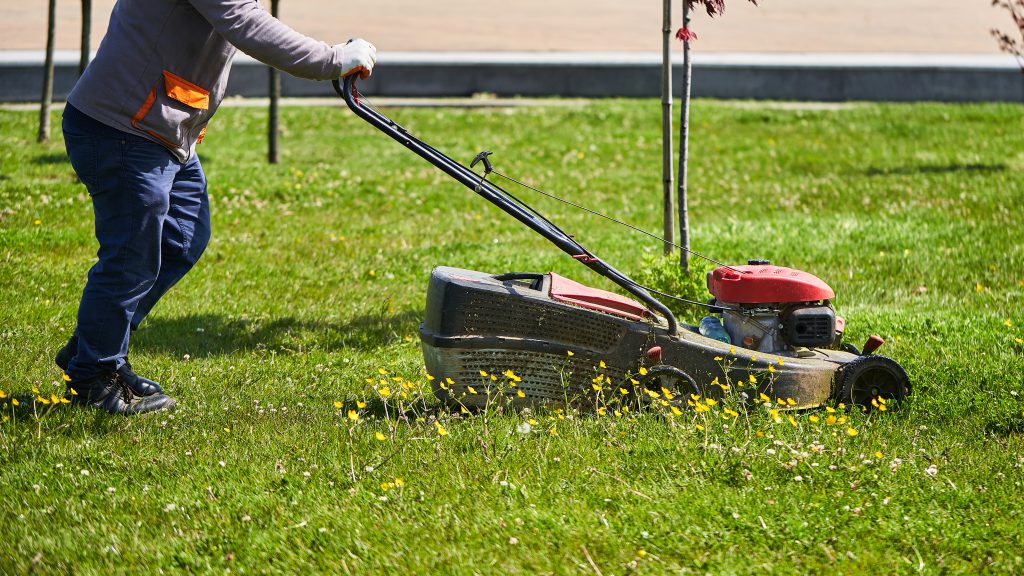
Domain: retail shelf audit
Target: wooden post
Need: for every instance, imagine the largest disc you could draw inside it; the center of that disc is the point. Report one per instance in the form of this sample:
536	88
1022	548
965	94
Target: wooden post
83	59
666	125
275	97
684	145
47	97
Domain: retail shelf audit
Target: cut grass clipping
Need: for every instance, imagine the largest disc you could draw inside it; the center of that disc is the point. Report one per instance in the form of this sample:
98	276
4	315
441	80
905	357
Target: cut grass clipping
307	440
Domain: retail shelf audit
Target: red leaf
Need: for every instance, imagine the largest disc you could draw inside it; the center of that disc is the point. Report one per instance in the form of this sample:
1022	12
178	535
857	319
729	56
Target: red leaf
686	35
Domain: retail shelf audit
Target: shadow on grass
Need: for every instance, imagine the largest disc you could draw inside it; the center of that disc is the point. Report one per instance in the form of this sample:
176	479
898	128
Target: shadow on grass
947	169
50	159
205	335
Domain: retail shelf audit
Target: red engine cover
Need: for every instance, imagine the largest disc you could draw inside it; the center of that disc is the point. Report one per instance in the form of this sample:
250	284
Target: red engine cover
764	284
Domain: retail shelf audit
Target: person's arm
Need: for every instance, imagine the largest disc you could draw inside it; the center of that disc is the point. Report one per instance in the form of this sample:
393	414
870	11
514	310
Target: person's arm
251	29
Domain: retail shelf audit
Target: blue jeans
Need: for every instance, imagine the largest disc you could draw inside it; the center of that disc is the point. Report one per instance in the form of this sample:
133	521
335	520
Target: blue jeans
152	223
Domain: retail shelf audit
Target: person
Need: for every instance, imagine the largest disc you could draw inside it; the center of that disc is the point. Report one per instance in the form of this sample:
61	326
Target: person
131	127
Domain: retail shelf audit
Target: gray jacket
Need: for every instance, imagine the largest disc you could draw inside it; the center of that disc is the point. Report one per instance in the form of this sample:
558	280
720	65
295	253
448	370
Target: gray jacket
162	67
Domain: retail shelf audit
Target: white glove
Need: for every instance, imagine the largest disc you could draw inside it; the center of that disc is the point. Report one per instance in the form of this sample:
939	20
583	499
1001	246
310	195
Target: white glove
357	57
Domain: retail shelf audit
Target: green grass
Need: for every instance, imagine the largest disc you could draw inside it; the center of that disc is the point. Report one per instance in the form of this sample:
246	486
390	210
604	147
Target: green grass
315	280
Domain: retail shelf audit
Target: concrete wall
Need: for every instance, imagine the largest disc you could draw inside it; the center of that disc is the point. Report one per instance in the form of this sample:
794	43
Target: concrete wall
818	77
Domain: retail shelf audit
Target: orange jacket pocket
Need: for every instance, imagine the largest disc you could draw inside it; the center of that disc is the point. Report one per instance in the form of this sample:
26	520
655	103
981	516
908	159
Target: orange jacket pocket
186	92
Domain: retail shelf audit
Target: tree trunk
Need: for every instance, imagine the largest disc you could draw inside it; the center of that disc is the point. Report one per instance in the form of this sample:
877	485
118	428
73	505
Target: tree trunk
47	97
666	125
83	59
684	146
275	97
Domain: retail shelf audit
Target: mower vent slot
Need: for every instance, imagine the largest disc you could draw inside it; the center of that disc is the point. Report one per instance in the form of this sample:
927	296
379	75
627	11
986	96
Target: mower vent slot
542	373
525	319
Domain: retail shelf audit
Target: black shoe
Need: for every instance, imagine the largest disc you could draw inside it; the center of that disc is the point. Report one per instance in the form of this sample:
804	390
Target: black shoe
140	386
110	393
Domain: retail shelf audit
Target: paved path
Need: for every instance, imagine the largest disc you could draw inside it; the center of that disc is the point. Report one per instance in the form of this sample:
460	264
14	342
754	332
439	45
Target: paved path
824	26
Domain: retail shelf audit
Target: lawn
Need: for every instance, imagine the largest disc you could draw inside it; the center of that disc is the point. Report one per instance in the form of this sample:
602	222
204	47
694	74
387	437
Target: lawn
298	329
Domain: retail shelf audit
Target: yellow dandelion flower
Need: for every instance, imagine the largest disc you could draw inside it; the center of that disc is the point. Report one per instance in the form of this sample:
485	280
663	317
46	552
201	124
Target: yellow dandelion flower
842	406
35	390
380	436
830	409
979	288
732	350
830	420
14	401
569	353
44	400
753	358
623	391
64	376
780	401
791	419
429	377
781	361
602	364
1007	323
532	422
618	414
764	397
597	387
882	407
360	404
54	399
554	430
449	381
440	429
759	434
227	429
652	394
677	411
382	371
699	427
385	486
753	379
842	420
483	373
668	395
851	431
471	389
520	393
384	392
771	368
601	411
879	455
493	377
399	482
814	419
711	401
718	358
337	405
3	394
790	401
353	415
643	371
699	407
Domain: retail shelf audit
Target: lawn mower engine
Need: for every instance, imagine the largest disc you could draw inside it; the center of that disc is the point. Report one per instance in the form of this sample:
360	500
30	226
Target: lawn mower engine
770	308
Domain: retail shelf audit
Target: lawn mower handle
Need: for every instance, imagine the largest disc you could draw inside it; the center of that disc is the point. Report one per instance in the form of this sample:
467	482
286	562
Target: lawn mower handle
346	88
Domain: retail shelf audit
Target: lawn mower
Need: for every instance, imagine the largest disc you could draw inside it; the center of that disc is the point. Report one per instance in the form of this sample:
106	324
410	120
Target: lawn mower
534	338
